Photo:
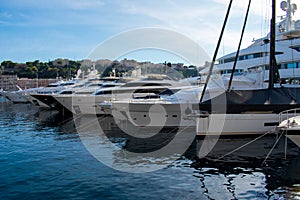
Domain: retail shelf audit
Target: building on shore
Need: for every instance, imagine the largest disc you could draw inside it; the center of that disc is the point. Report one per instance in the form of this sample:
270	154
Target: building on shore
8	82
26	83
12	82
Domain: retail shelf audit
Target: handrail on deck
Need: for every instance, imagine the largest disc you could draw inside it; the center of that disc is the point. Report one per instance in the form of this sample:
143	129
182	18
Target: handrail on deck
286	114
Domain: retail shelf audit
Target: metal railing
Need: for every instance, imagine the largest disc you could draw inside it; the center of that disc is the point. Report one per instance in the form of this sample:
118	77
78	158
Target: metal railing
287	114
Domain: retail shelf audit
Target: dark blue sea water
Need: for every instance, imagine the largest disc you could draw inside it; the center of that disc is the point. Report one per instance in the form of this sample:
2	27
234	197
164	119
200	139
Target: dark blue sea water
42	157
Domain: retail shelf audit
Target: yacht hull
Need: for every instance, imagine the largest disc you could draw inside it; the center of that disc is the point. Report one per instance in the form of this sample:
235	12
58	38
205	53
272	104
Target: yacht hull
36	102
153	115
294	136
85	105
237	124
47	99
247	111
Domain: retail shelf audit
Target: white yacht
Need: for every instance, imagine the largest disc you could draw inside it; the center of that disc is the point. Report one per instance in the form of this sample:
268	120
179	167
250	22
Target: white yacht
90	104
172	107
17	96
84	101
39	96
22	96
44	98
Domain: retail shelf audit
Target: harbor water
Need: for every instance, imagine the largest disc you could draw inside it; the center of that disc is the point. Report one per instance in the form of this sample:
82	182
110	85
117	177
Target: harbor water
43	156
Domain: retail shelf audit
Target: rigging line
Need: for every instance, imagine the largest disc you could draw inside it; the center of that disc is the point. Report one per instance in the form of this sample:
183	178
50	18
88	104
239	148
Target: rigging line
272	64
294	64
239	47
217	50
244	145
272	148
261	18
267	16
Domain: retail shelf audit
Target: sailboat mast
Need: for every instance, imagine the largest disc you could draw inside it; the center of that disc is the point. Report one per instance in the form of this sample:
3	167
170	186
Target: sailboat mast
216	50
272	46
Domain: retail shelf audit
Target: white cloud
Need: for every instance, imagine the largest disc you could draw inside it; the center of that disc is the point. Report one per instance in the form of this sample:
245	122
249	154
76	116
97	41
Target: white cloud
199	21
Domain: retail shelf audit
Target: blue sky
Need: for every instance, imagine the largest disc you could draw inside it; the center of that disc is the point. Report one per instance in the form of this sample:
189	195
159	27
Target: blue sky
49	29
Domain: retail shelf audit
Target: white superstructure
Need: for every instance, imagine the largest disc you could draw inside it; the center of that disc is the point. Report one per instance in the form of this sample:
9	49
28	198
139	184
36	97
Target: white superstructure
255	58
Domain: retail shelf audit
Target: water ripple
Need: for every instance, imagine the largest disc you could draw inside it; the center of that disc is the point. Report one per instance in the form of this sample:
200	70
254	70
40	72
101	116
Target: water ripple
41	156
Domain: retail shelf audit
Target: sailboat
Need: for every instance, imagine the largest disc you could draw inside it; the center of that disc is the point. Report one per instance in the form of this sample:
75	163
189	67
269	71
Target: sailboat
250	111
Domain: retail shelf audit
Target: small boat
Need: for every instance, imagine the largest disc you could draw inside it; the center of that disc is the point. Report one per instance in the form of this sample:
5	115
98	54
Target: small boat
290	125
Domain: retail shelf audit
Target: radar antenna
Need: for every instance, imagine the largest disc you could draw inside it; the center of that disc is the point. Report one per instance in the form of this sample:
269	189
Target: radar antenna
289	9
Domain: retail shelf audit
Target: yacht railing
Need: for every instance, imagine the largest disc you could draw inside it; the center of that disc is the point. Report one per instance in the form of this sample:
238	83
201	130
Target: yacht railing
285	115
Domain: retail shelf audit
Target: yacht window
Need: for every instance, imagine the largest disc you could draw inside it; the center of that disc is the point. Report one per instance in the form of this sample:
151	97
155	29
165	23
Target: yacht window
283	66
141	84
242	58
169	91
257	55
95	85
246	57
280	66
65	84
229	60
52	85
291	65
296	48
250	56
106	86
84	92
229	71
104	92
67	92
155	90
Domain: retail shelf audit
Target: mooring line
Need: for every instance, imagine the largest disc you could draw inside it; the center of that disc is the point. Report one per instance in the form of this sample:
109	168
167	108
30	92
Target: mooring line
243	146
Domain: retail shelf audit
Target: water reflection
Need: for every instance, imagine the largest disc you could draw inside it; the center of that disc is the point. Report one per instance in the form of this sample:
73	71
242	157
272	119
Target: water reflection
238	175
105	140
242	174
